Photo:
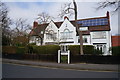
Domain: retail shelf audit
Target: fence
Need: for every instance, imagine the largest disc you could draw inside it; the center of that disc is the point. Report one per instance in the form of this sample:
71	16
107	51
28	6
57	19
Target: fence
74	58
97	59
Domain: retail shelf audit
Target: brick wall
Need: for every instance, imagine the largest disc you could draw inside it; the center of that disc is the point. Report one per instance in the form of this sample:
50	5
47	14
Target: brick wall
115	40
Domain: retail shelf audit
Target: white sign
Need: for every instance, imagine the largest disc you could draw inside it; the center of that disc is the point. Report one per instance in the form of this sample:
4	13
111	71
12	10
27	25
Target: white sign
83	28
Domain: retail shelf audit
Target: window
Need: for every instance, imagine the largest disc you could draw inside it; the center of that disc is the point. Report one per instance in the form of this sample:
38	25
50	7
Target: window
101	47
83	28
66	34
99	35
51	35
85	40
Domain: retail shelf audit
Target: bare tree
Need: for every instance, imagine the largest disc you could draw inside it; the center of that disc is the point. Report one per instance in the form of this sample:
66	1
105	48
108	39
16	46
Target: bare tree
67	10
21	27
109	3
44	17
5	23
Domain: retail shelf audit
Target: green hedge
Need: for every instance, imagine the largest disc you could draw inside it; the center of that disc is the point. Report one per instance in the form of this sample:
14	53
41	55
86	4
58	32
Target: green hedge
116	51
45	49
20	50
50	49
87	49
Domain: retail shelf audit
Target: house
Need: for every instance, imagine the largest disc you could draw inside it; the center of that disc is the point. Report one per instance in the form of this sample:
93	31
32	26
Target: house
115	40
95	31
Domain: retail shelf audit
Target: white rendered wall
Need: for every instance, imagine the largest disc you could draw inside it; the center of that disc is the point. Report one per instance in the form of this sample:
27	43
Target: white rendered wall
67	25
88	40
51	26
107	41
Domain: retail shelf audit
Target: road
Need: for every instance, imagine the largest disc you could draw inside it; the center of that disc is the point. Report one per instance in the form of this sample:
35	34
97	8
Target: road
26	71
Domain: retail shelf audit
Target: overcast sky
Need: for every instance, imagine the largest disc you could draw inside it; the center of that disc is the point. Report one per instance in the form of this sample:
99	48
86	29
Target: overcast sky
30	10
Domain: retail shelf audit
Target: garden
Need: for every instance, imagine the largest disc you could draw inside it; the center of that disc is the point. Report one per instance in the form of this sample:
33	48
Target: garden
50	53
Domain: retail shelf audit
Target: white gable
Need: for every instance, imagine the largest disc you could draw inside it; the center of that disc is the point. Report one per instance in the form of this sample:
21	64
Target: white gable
66	25
67	32
51	26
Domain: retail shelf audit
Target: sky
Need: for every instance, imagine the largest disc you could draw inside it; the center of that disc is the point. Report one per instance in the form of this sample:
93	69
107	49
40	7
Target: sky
30	9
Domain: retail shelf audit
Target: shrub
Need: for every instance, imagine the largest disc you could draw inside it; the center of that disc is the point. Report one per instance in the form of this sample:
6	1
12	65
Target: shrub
13	50
9	49
52	49
45	49
20	50
32	43
64	59
98	52
116	51
87	49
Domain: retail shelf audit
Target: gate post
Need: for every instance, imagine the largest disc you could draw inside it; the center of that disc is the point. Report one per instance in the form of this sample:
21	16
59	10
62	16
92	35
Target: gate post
58	56
64	52
68	57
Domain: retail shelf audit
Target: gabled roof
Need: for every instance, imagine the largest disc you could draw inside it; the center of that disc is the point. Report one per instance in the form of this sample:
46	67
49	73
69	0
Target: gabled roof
93	24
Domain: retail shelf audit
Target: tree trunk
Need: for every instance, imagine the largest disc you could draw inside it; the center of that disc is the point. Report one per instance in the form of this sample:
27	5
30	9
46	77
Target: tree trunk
77	28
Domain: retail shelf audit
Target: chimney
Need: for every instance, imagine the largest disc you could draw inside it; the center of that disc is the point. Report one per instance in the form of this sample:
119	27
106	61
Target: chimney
66	18
107	14
35	24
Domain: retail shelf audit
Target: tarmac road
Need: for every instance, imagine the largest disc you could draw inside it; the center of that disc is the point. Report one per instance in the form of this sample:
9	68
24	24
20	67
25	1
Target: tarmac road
26	71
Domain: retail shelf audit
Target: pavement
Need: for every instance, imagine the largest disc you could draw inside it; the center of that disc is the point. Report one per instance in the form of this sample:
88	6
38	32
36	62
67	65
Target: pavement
76	66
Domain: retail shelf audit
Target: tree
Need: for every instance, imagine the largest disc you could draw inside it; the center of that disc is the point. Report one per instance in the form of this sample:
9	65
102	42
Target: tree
5	22
109	3
67	11
44	17
21	27
20	32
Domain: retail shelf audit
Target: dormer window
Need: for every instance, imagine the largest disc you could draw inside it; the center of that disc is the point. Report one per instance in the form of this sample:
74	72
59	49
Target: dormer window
83	28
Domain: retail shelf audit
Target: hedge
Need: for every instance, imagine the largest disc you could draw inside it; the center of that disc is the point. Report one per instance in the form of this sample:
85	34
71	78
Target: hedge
87	50
116	51
9	49
13	50
45	49
49	49
20	50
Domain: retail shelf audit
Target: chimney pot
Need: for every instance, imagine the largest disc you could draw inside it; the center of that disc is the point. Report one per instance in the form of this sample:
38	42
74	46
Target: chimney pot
66	18
35	24
108	14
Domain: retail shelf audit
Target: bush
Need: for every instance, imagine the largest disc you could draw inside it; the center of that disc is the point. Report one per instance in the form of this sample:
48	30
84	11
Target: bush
20	50
98	52
9	49
13	50
45	49
32	43
64	59
87	49
52	49
116	51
